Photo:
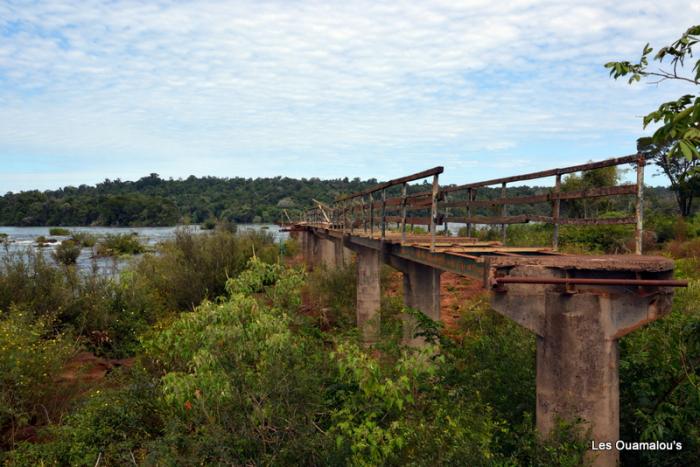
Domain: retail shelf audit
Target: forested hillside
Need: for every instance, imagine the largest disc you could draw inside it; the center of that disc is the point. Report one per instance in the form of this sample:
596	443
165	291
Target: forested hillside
153	201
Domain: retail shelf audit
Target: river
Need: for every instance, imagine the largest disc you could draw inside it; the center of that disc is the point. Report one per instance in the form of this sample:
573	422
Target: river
20	239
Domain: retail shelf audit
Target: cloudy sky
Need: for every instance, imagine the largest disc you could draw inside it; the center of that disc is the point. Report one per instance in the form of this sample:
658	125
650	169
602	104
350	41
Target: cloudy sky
104	89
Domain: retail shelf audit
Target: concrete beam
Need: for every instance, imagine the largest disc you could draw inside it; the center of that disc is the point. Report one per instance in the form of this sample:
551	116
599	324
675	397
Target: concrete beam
368	295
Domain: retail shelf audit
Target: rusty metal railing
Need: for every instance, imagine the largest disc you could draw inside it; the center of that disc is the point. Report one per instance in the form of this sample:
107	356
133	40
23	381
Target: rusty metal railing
554	198
372	208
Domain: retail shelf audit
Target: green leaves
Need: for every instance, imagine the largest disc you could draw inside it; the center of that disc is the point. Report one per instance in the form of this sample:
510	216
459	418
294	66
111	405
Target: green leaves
680	119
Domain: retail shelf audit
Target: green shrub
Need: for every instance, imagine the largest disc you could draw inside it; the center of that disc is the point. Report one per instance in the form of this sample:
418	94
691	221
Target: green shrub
239	387
114	425
30	358
66	253
208	224
331	294
59	232
601	239
291	248
193	267
227	225
120	244
402	415
43	241
85	239
659	383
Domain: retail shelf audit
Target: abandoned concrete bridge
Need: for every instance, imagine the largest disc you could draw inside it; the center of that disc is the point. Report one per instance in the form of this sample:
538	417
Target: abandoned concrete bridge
577	305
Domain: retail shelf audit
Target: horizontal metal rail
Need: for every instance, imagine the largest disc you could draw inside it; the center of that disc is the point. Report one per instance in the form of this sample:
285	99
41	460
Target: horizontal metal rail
549	173
394	182
591	281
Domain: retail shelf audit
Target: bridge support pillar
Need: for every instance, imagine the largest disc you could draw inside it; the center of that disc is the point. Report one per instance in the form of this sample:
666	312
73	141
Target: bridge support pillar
368	295
577	329
421	290
327	253
343	255
311	249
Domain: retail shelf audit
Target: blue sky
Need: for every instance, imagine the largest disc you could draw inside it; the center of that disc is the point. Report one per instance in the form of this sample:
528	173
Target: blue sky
118	89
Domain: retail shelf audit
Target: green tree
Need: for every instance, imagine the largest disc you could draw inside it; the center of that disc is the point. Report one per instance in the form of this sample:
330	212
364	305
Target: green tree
599	178
680	119
681	172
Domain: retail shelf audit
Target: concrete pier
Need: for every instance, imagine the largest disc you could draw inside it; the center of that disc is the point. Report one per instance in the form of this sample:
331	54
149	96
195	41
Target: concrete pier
421	290
368	294
577	329
327	257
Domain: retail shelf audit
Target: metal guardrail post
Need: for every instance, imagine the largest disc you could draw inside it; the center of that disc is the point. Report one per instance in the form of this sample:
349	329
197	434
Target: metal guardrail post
447	213
403	211
433	211
364	216
470	197
556	207
639	206
383	213
371	216
504	212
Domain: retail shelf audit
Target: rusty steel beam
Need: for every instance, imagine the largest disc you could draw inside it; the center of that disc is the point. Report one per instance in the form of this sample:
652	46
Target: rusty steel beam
521	219
396	181
591	281
525	218
548	173
410	220
548	197
587	221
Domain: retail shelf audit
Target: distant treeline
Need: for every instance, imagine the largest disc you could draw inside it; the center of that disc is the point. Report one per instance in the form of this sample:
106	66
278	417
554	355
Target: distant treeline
153	201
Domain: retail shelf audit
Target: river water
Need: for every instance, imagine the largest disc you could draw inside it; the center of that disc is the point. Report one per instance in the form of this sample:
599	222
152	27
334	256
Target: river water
21	239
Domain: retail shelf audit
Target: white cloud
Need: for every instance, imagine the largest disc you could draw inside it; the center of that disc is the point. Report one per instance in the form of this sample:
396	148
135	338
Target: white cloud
175	83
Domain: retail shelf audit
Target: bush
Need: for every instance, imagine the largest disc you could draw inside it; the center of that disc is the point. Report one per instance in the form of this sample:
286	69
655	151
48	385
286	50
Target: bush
599	239
114	425
43	241
193	267
120	244
208	224
59	232
239	387
331	297
290	248
30	358
84	239
659	390
66	253
685	249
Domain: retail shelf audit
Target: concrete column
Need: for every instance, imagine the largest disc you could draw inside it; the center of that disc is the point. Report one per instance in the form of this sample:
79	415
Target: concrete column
577	347
368	295
577	369
304	245
327	253
343	256
311	249
421	290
